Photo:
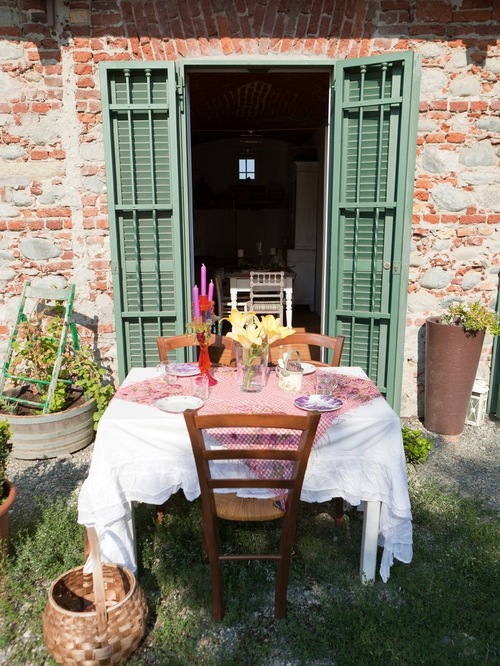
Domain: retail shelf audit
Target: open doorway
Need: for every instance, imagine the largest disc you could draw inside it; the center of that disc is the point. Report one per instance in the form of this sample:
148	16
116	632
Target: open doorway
258	163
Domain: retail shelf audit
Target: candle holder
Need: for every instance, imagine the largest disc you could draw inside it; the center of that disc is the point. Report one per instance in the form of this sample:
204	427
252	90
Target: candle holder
201	327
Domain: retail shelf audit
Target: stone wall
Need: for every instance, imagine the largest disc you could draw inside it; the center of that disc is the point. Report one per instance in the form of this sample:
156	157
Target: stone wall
53	216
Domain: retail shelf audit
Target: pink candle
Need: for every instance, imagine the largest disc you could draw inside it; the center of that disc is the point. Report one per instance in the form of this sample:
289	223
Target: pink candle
211	291
203	280
196	302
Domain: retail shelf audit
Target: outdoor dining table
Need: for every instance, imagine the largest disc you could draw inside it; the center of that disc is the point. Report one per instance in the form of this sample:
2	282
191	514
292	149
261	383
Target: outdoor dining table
143	454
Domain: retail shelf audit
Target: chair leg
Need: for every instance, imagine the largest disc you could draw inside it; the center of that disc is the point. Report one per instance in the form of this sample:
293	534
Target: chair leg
280	595
339	511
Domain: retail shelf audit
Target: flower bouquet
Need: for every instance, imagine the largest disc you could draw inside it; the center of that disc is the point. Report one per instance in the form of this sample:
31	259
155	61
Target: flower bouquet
253	337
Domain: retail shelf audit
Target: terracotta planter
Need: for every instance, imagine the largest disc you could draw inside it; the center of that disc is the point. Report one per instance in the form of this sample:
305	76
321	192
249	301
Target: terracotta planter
451	361
52	435
10	491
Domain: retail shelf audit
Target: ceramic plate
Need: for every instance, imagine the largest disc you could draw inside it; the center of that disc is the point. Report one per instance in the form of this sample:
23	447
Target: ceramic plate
308	368
185	369
178	403
318	403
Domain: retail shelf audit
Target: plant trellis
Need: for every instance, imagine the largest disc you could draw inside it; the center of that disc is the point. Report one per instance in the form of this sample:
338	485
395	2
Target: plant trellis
61	297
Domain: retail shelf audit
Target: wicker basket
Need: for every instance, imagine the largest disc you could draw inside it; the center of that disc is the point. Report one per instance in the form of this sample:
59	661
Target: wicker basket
94	619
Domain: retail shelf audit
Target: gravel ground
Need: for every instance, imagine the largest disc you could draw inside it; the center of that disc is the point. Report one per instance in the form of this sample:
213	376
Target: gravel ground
467	463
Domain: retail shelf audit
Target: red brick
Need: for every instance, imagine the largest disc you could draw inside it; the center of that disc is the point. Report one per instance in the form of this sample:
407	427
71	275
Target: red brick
41	107
82	56
472	219
459	107
39	154
435	138
60	211
472	16
456	137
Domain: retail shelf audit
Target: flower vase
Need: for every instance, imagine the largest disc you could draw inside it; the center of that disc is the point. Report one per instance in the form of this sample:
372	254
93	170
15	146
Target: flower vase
252	367
204	362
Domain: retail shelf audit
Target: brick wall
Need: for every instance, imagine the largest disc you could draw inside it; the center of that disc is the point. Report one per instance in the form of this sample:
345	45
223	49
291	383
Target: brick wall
53	215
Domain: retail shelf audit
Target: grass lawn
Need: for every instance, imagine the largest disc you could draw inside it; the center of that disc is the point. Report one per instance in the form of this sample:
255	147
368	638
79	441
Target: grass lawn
440	609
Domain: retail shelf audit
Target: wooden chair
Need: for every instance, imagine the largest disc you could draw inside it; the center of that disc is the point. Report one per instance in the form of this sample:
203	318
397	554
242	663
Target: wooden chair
223	300
302	341
231	507
267	294
221	347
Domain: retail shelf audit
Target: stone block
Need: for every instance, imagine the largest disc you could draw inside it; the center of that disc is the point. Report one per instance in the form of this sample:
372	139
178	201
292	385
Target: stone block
465	86
447	197
436	278
480	154
8	210
39	249
435	160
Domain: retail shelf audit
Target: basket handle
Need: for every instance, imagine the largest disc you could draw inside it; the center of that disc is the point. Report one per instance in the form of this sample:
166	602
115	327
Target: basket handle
100	603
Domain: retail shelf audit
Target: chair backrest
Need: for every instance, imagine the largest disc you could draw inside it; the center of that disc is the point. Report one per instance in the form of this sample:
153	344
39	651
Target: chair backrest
223	302
288	475
305	425
267	291
220	348
299	339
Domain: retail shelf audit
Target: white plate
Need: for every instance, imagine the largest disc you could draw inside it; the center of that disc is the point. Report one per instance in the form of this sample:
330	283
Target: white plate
184	369
318	403
178	403
308	368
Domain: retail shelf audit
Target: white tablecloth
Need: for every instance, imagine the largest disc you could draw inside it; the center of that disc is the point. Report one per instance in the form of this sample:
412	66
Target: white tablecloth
144	454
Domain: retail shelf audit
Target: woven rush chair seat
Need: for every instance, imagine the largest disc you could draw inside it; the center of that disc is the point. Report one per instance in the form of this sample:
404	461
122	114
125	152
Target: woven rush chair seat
231	507
288	466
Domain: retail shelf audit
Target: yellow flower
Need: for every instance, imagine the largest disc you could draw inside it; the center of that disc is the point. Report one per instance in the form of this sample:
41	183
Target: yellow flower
250	332
273	330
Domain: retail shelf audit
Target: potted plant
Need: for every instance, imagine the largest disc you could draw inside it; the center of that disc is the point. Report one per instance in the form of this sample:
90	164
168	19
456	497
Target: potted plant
80	396
453	344
7	490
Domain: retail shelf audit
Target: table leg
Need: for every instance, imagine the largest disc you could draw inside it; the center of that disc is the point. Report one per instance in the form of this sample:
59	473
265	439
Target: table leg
234	298
288	304
368	557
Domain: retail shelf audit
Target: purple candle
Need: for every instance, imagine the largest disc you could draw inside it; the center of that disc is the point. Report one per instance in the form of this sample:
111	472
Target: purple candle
196	302
203	280
211	291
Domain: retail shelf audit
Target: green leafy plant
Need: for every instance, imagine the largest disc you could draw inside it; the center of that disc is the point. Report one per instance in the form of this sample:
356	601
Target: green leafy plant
35	353
473	317
416	446
5	447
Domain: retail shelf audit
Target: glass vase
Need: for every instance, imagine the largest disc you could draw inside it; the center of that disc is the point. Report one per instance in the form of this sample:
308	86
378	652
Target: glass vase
251	365
204	362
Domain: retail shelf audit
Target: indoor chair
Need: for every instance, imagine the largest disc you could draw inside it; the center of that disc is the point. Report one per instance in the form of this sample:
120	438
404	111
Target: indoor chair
231	507
267	294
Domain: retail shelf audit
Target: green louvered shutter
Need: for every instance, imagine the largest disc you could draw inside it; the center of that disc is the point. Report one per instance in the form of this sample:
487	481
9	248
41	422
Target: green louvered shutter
372	182
141	135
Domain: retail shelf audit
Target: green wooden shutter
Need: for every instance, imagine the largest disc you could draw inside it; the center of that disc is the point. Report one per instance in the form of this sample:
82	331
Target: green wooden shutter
141	135
372	178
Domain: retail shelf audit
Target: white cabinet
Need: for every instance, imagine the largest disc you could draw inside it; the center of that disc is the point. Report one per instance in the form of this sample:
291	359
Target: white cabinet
302	258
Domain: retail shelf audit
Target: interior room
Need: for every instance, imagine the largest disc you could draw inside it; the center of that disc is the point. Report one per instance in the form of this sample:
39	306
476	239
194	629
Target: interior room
258	141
